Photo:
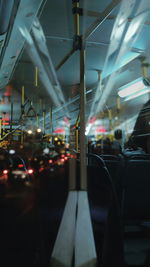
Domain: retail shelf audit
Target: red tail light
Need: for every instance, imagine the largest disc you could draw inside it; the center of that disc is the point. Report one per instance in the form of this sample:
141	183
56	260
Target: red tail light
5	171
41	169
50	161
20	165
62	155
65	158
62	160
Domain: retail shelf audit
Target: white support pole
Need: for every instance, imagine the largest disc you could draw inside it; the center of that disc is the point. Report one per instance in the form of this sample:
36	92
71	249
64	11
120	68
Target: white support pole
72	174
85	253
64	245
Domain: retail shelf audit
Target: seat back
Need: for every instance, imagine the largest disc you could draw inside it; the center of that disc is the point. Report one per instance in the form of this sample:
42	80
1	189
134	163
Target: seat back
136	189
112	163
105	214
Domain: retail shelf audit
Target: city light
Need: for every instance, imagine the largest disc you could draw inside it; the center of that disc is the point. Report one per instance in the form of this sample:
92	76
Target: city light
29	131
30	171
11	151
5	171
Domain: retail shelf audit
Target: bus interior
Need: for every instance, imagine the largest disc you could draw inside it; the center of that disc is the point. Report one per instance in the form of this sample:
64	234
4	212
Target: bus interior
75	133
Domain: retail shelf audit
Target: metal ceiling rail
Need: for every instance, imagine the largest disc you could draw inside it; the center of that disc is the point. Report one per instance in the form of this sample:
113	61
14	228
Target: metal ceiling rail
74	99
92	28
13	52
70	40
102	18
71	52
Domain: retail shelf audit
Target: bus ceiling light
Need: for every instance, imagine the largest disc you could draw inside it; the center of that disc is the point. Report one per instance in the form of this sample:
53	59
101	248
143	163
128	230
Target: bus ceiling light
134	89
146	90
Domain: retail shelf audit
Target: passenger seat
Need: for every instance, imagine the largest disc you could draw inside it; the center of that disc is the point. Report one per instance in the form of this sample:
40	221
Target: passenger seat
135	208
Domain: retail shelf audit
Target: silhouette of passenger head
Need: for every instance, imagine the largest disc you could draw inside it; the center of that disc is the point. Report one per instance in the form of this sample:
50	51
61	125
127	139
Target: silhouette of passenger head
118	134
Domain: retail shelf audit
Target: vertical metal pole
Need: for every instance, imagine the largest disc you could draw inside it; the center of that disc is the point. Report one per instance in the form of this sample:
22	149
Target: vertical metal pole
83	168
0	128
11	118
51	120
22	102
36	76
118	104
11	121
144	70
22	97
76	19
77	134
110	119
43	122
3	123
41	104
37	120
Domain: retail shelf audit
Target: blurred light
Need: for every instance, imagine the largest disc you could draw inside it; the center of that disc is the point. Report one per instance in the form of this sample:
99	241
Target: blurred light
100	129
11	151
67	145
58	143
56	139
30	171
29	131
88	128
62	155
46	150
5	123
59	131
65	158
39	130
20	165
5	171
92	119
66	120
41	169
62	160
50	161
